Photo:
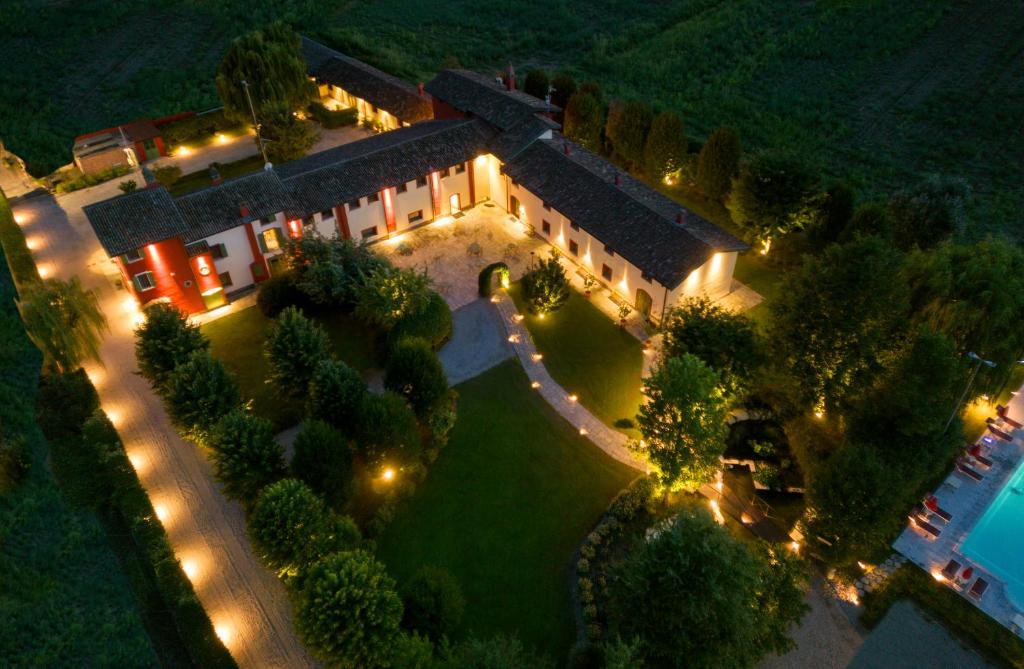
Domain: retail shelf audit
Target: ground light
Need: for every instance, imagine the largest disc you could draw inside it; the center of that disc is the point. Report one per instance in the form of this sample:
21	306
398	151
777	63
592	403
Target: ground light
388	474
183	151
222	138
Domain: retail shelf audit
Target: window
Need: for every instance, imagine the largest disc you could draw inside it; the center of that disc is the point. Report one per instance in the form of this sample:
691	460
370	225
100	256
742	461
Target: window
144	281
645	276
132	256
267	220
421	182
444	173
225	279
270	240
609	250
574	225
401	188
546	227
372	197
606	272
219	251
574	248
369	232
547	207
326	214
354	204
460	168
308	222
416	216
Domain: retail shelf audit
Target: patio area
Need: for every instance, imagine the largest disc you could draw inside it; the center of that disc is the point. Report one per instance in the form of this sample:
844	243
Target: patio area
965	499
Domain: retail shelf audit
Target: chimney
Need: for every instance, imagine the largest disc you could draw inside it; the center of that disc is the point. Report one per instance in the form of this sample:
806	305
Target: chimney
566	149
679	218
215	178
147	176
419	89
510	80
243	210
618	179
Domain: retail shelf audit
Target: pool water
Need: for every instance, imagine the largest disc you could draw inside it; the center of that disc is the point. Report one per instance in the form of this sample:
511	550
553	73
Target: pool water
996	542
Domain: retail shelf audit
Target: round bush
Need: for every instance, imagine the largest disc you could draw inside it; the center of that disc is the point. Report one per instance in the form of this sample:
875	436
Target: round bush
277	293
434	324
414	372
433	602
484	282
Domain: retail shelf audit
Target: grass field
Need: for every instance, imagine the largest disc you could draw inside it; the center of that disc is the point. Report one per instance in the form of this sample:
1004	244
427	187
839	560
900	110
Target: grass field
503	509
879	92
589	355
237	339
194	181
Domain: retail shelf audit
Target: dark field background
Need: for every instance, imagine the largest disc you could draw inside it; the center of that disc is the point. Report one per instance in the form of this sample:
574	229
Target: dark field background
879	92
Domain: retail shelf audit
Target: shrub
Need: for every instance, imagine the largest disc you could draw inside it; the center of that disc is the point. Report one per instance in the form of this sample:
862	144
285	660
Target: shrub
583	566
278	293
287	137
414	372
441	419
434	323
323	461
166	175
333	118
536	84
330	271
89	180
129	186
502	651
335	394
197	127
294	345
165	340
387	429
245	456
546	287
198	393
391	294
291	528
347	611
624	423
12	239
15	460
484	280
433	602
77	399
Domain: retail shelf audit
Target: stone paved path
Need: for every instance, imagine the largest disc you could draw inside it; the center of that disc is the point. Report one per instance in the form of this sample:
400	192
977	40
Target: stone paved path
478	342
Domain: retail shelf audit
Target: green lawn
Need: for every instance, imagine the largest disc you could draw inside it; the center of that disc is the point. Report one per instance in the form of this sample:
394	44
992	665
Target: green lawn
237	339
199	179
503	509
589	355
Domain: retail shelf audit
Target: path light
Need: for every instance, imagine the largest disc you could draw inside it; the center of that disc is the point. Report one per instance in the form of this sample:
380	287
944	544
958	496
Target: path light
138	463
583	431
513	338
183	151
32	243
225	632
819	414
717	512
45	271
537	357
535	385
495	299
20	219
937	575
388	474
161	512
572	397
222	138
190	568
518	318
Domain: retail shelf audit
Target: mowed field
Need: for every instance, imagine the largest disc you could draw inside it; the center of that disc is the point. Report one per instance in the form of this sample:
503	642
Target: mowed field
878	92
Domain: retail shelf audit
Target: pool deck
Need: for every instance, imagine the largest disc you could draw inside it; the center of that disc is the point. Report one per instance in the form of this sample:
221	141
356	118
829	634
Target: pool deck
967	500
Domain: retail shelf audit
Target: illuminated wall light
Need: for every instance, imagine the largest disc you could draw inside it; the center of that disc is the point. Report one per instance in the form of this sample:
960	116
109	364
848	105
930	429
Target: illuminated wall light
794	546
716	262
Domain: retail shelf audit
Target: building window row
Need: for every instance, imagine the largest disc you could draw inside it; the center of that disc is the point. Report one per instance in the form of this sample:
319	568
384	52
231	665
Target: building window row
416	216
132	256
369	232
144	281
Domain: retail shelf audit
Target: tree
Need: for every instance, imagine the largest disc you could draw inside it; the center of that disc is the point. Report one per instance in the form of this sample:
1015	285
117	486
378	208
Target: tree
414	372
330	272
294	346
836	319
391	294
775	194
64	321
414	651
693	591
433	602
584	118
545	287
682	422
719	163
387	430
562	88
128	186
870	218
291	528
725	341
834	215
347	611
666	147
270	61
619	654
323	461
245	456
335	393
536	84
285	136
498	652
199	392
165	340
627	127
929	213
450	62
166	175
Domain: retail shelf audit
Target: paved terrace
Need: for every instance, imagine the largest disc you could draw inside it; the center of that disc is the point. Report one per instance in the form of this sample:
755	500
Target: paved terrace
967	500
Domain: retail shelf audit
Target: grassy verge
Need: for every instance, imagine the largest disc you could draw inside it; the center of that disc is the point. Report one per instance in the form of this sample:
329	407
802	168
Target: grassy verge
200	179
503	509
589	355
961	617
237	339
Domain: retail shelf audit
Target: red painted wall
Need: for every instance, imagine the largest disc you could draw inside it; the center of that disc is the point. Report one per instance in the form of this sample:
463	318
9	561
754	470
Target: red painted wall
258	261
389	209
172	274
341	220
471	171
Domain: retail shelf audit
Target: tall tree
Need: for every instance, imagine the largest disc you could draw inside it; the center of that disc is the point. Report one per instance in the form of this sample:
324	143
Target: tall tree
719	163
562	88
390	294
285	136
165	340
834	215
387	430
693	591
584	118
627	127
723	340
682	422
869	218
666	147
414	372
930	212
198	393
294	346
775	194
245	456
270	61
323	460
836	319
65	321
347	611
536	83
335	393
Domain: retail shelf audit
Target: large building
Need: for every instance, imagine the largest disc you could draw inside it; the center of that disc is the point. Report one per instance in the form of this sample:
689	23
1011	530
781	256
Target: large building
484	143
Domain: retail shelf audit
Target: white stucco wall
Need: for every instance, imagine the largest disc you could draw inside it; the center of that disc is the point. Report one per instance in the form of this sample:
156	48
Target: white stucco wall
239	257
411	200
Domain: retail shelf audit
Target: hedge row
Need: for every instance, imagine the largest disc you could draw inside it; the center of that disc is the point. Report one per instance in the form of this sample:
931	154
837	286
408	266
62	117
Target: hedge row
19	258
88	180
333	118
197	129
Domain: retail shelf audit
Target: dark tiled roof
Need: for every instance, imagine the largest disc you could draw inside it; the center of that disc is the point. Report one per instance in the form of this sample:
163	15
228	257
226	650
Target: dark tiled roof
483	97
636	221
129	222
381	89
354	170
509	144
218	208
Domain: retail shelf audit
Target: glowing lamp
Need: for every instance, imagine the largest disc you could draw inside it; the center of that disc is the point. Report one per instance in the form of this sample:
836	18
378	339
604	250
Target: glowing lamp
190	569
224	632
183	151
573	397
222	138
161	512
388	474
583	431
535	385
20	219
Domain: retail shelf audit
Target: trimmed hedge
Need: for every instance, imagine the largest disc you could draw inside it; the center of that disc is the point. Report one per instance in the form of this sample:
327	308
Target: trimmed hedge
19	258
333	118
487	273
197	128
278	293
88	180
433	324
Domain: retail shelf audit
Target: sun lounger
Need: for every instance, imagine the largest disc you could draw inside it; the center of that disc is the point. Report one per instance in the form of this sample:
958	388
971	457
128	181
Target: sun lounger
925	526
997	432
951	569
1004	413
974	450
967	471
978	589
932	504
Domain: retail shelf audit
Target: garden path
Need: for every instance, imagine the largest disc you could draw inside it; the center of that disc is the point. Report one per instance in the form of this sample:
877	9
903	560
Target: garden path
477	344
247	604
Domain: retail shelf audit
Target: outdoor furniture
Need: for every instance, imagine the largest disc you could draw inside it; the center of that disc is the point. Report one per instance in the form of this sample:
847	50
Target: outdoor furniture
953	483
474	249
1003	412
978	589
967	471
996	431
930	530
951	569
974	450
932	504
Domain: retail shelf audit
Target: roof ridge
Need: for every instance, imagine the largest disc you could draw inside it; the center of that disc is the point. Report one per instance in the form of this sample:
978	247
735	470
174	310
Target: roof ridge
205	189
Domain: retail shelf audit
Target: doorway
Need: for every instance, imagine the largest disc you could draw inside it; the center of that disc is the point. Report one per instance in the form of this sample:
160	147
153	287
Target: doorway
643	303
513	207
454	204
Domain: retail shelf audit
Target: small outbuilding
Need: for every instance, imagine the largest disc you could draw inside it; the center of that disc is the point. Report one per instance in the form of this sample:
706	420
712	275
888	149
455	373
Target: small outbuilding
124	145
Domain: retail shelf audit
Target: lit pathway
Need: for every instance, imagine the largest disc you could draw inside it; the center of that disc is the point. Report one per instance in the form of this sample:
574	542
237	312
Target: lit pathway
247	604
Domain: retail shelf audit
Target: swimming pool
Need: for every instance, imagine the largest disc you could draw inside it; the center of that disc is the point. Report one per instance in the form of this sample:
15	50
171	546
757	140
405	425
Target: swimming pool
996	542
